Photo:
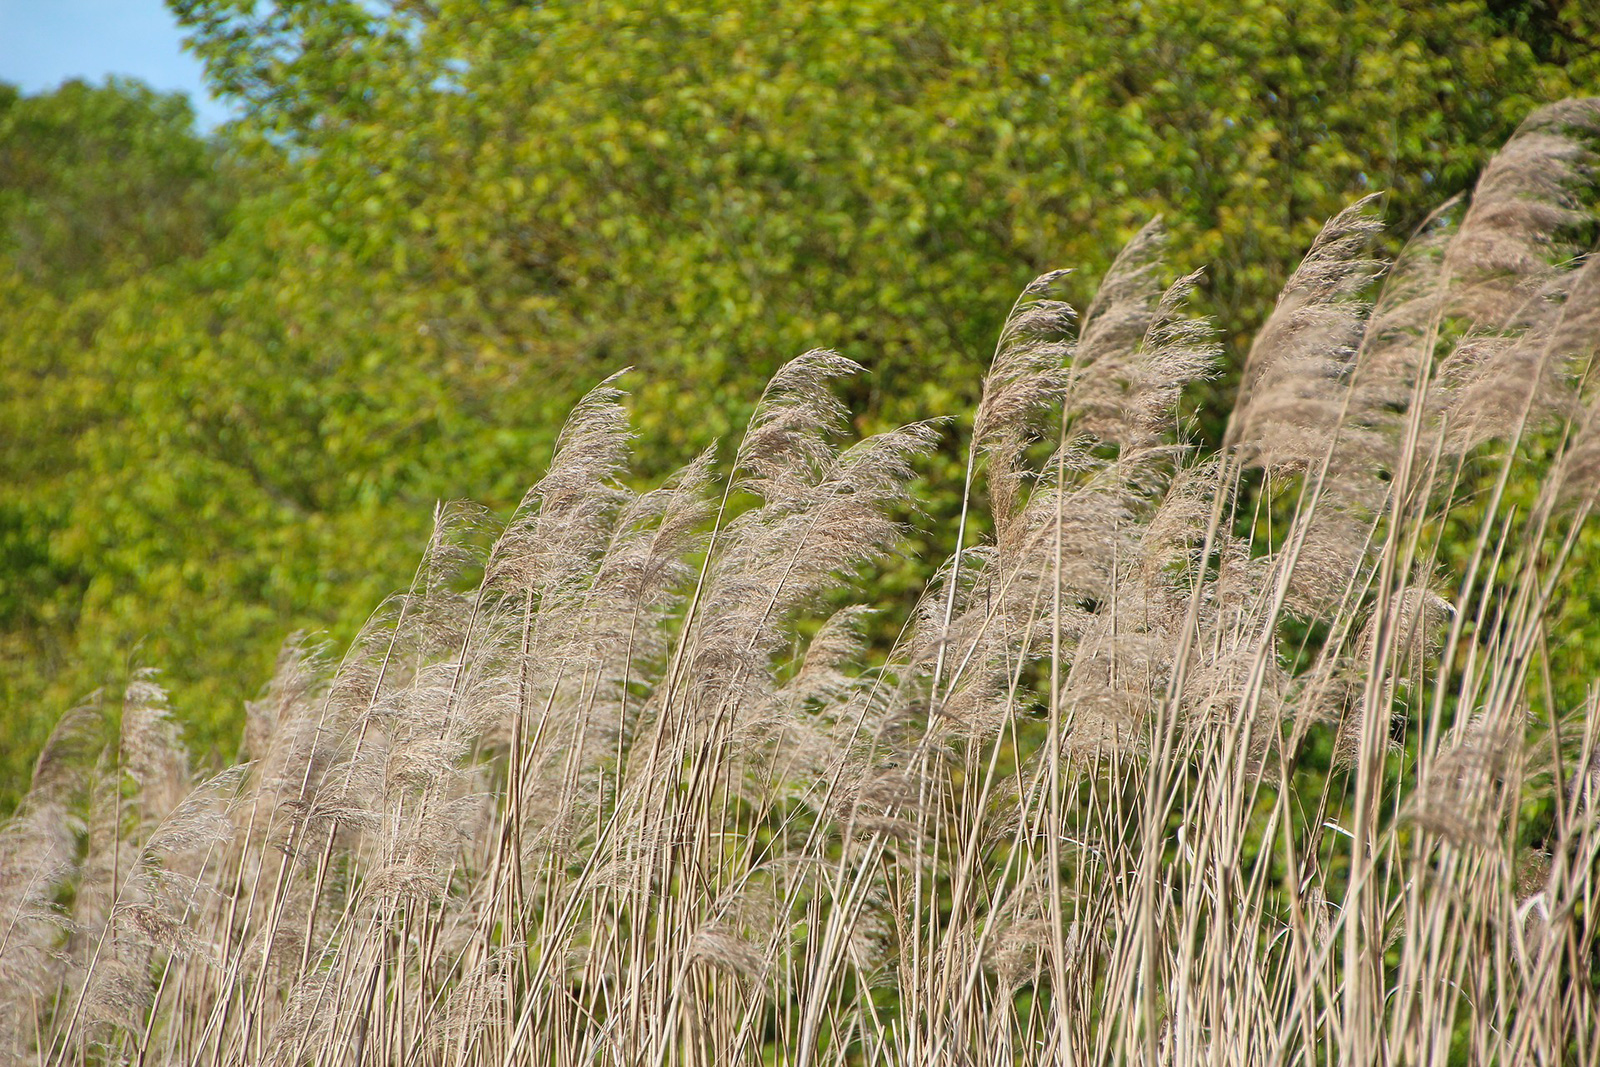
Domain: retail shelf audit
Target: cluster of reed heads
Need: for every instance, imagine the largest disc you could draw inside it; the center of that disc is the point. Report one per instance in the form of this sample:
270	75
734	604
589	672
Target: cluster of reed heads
1242	757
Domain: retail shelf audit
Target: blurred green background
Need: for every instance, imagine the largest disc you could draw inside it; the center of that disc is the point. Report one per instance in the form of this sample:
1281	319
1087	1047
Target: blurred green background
239	368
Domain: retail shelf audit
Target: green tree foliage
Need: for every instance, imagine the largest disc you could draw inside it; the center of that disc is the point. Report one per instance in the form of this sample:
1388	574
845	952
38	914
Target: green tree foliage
100	183
453	217
101	189
705	189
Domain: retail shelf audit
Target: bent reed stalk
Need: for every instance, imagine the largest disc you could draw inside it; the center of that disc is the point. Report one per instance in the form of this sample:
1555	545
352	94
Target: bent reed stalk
1197	759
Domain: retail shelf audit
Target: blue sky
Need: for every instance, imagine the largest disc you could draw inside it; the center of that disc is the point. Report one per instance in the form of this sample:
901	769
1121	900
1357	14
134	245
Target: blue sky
45	42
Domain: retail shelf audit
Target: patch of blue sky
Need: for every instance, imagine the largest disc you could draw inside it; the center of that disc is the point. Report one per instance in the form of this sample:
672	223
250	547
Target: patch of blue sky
46	42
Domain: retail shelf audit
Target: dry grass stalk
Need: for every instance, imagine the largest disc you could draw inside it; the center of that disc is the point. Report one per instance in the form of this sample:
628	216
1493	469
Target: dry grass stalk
1199	759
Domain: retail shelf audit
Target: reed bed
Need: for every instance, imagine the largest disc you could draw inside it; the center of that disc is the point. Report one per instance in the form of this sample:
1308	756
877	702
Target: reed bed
1191	758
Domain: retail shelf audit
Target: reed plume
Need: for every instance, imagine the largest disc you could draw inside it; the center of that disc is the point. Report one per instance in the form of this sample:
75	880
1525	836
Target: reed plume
1246	755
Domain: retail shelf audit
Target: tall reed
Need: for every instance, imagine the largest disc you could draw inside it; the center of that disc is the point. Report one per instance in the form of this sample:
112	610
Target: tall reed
1200	758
